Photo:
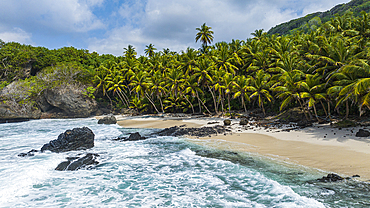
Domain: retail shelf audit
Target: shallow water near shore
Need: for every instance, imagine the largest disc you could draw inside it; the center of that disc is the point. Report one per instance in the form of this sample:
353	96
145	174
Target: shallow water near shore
157	172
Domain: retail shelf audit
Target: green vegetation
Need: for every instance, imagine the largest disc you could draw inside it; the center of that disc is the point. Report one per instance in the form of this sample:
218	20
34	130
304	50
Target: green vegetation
311	21
324	72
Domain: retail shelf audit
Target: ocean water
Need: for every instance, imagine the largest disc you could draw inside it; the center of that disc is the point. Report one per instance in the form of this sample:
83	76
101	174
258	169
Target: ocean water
157	172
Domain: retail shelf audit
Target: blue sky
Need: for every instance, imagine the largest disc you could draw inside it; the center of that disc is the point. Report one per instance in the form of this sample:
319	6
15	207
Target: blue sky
108	26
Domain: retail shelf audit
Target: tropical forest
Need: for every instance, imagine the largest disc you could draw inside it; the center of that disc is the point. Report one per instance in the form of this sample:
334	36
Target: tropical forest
321	68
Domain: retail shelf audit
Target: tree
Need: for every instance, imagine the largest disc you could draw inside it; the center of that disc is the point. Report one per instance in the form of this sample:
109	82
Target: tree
149	51
205	34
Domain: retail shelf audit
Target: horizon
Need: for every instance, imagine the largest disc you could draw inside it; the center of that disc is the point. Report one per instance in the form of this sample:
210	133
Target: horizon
106	27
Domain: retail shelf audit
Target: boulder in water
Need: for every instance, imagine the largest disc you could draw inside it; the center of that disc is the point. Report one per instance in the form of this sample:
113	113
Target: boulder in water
107	120
75	139
75	163
243	121
331	177
227	122
362	133
133	137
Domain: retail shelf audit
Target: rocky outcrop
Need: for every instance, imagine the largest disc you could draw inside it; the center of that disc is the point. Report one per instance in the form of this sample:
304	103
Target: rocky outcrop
292	115
71	101
227	122
15	104
332	177
108	120
197	132
363	133
243	121
75	139
133	137
74	163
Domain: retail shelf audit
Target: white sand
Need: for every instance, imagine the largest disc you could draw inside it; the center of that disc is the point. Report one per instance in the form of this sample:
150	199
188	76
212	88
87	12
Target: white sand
320	146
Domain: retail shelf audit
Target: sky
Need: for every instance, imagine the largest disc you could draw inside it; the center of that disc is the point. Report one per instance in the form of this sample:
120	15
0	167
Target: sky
108	26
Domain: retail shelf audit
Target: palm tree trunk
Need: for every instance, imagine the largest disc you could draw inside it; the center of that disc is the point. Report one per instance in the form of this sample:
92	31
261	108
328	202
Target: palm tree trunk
214	99
303	108
322	104
228	101
243	103
347	110
203	104
192	108
160	101
200	107
314	109
146	95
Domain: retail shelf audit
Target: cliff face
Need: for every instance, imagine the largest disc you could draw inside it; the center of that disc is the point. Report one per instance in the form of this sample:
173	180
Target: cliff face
16	103
355	6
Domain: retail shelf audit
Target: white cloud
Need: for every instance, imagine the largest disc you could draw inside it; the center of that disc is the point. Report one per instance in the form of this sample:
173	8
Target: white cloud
58	16
171	24
16	35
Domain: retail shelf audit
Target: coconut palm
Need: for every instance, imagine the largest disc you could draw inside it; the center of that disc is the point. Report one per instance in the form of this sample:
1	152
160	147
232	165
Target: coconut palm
149	51
259	87
205	35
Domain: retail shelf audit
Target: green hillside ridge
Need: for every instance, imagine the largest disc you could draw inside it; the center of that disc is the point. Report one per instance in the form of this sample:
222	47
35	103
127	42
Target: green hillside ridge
303	23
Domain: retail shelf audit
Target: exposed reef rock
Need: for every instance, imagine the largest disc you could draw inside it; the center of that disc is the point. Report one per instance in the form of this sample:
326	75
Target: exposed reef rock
75	139
243	121
133	137
197	132
108	120
363	133
74	163
332	177
227	122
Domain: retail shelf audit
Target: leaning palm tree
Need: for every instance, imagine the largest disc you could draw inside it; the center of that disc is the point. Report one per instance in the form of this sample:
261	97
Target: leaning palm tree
205	35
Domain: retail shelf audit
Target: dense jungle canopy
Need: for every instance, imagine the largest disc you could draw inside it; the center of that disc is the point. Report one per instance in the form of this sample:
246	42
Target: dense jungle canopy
323	70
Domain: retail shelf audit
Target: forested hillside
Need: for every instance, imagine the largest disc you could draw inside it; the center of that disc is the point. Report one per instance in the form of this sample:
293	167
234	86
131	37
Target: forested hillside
324	72
312	21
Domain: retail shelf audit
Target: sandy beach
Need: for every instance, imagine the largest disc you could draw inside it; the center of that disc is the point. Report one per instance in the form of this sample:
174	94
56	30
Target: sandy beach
319	146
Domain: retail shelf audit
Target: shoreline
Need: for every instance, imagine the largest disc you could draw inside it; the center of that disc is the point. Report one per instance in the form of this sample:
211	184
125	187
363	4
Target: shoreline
320	146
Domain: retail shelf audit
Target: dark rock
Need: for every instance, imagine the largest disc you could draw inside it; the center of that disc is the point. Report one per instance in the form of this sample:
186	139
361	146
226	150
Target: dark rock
75	163
133	137
332	177
213	122
29	153
75	139
197	132
227	122
345	124
243	121
108	120
362	133
292	115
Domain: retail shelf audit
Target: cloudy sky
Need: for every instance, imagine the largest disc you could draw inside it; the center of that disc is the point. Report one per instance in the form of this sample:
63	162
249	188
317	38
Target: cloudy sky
108	26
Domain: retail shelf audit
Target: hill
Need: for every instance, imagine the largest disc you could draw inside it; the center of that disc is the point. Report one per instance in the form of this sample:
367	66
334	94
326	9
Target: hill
355	6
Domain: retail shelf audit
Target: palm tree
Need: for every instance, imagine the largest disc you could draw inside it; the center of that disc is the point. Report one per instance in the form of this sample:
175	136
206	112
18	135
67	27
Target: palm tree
140	85
314	90
149	51
205	35
260	85
241	84
129	52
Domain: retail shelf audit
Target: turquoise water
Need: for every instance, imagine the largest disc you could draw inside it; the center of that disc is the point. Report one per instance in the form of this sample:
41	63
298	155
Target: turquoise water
158	172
